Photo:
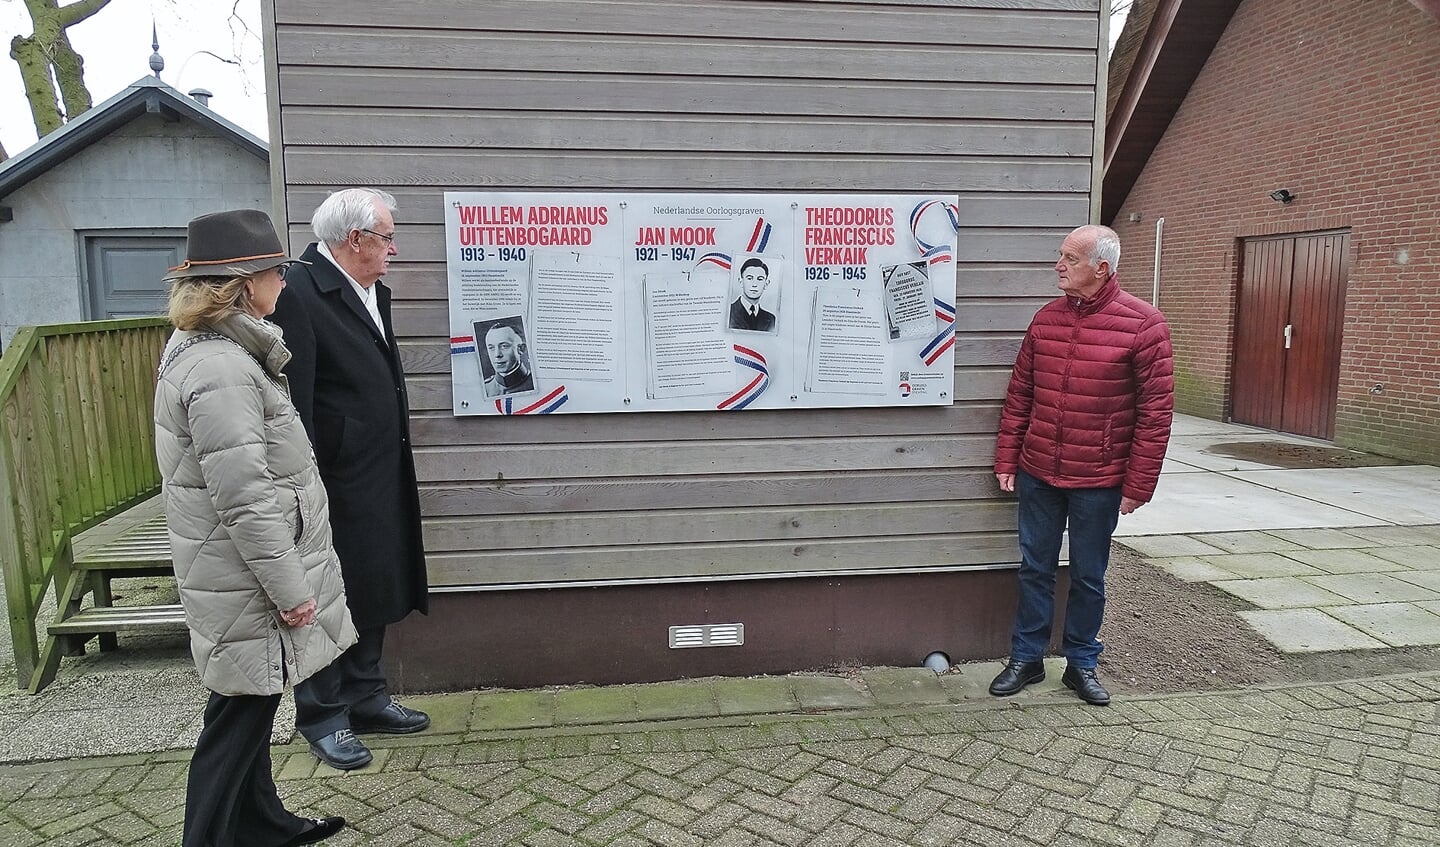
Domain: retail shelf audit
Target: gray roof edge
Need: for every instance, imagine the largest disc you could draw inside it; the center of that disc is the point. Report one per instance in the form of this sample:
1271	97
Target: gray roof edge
102	119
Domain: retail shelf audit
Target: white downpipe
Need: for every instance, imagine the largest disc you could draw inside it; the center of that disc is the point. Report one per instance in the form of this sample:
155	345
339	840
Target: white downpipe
1159	237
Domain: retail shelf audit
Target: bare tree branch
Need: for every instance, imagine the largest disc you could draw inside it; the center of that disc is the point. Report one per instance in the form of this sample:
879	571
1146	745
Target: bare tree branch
229	60
240	32
70	76
39	87
78	11
49	66
235	19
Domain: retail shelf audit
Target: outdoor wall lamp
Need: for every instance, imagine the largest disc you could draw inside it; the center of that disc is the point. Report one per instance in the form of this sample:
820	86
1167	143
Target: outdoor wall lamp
1281	195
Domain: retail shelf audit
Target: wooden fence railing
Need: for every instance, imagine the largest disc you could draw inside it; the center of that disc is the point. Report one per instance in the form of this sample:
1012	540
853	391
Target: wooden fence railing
77	445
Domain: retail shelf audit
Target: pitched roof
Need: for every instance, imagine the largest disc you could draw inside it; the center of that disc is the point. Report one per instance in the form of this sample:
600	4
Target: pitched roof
1150	74
1161	50
147	95
1126	50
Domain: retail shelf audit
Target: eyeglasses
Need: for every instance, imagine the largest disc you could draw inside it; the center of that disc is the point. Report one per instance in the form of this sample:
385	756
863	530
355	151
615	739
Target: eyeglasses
388	239
279	269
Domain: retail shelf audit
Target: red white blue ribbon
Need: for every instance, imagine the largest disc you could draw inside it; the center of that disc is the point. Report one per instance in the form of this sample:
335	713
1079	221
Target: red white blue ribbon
945	313
720	260
934	253
461	344
759	237
937	254
755	387
544	406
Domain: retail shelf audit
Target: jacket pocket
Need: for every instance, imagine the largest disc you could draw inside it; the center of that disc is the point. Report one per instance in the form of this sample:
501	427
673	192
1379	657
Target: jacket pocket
292	512
299	515
1107	443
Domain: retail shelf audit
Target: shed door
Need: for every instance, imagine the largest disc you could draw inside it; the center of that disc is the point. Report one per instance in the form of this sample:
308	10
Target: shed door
123	273
1288	332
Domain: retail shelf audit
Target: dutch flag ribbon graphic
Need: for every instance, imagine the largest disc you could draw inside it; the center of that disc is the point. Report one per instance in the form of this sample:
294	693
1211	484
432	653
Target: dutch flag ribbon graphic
759	237
755	387
934	253
937	254
544	406
720	260
945	313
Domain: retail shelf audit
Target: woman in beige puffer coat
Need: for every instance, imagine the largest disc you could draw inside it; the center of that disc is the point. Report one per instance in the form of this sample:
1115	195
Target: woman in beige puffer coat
249	526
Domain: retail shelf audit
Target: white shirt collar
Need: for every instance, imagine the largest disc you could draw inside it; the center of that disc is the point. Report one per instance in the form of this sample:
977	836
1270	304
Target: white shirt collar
367	295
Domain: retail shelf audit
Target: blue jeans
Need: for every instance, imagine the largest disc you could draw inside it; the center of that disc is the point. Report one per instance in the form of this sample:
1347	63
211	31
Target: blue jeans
1092	514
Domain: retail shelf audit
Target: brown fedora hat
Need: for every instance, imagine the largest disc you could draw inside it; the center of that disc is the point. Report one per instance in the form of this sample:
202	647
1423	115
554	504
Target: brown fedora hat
241	242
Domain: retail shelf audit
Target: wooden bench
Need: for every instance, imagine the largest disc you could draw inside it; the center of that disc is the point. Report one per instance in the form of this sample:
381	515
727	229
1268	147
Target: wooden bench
102	620
77	448
133	543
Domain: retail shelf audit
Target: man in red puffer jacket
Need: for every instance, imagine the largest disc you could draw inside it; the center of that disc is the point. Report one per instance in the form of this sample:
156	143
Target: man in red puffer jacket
1082	438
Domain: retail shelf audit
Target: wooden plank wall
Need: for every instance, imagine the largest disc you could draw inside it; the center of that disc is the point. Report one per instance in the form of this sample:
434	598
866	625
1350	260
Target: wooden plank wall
993	100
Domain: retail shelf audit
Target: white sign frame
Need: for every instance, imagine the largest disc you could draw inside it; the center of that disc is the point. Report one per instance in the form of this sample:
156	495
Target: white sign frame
630	302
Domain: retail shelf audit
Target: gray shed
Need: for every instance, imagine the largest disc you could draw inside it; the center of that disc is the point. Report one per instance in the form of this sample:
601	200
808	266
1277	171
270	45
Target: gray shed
569	548
93	213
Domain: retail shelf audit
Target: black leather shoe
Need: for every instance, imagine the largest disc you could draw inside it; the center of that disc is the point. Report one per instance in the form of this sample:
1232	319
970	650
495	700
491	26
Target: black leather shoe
394	719
316	830
1016	676
342	751
1084	682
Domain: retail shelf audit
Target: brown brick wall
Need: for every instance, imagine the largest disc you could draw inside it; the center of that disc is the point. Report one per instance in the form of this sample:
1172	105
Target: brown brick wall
1338	101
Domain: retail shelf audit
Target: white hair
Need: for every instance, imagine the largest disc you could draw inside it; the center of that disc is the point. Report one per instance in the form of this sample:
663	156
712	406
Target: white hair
346	210
1106	247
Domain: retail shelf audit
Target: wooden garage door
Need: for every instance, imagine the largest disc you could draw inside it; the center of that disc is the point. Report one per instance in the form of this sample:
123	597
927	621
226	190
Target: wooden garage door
1288	331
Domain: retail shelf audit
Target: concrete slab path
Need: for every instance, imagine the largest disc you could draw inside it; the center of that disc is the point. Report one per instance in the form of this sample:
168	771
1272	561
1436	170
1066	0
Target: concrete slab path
1332	558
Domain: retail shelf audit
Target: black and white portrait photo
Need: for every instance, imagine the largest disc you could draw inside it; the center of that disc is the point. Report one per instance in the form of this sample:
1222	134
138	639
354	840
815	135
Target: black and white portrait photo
504	357
748	311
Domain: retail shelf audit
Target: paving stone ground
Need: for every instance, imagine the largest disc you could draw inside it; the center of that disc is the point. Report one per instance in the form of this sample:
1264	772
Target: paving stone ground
889	757
1335	764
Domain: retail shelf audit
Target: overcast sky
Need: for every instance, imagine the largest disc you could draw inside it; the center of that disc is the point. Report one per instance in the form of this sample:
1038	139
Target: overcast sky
115	43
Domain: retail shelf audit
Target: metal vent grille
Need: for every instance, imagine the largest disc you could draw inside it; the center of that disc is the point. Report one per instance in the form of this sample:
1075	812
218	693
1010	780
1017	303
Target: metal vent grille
707	635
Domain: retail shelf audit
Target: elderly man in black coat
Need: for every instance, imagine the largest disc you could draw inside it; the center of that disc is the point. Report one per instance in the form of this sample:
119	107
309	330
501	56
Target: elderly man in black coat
348	386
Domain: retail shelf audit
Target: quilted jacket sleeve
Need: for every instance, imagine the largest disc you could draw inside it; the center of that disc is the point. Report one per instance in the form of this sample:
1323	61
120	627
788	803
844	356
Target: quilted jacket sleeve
1154	407
225	406
1015	416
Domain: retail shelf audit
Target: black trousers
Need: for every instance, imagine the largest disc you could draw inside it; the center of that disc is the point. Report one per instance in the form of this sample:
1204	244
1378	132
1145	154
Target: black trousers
230	798
353	684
